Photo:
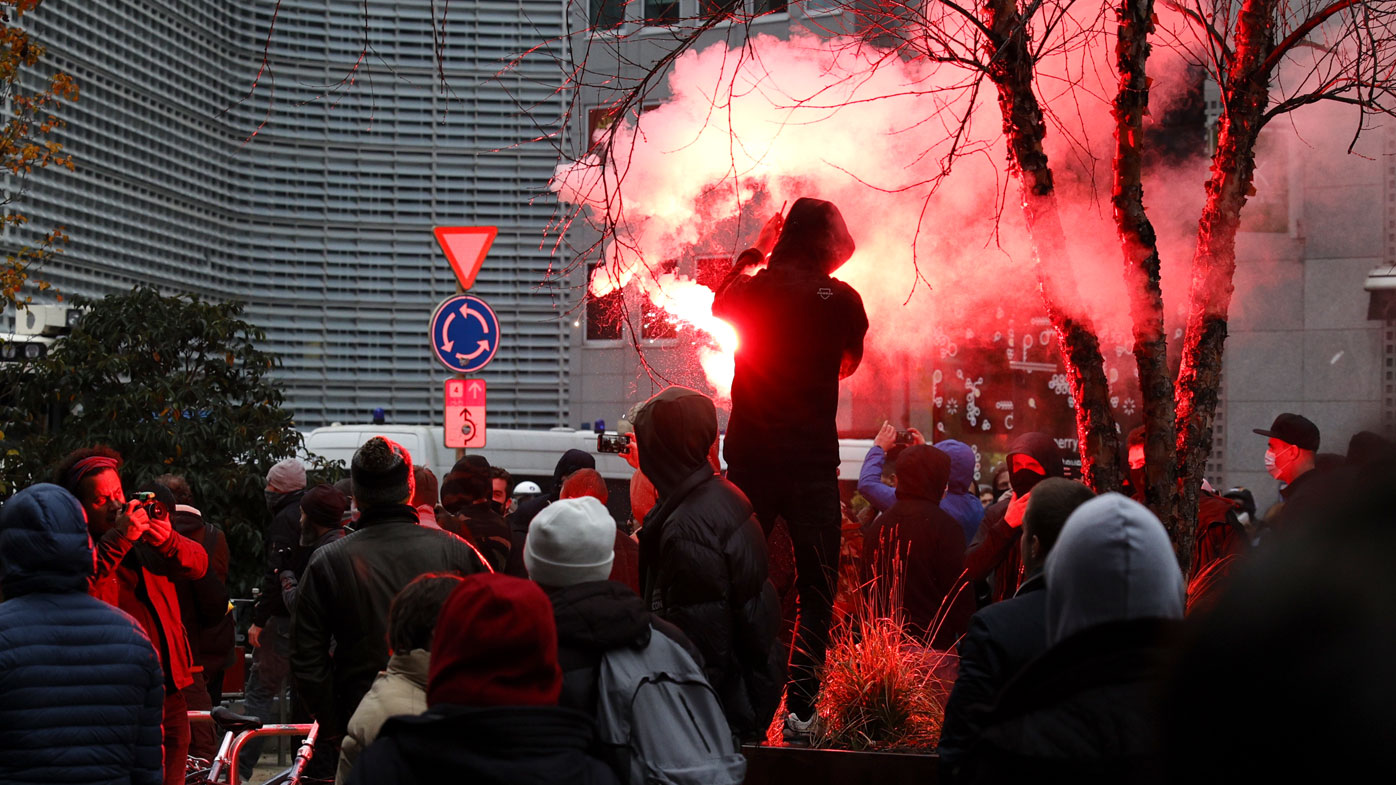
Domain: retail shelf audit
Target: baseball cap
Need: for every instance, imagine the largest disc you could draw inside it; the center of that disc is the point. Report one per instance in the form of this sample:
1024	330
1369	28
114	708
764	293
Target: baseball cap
1293	429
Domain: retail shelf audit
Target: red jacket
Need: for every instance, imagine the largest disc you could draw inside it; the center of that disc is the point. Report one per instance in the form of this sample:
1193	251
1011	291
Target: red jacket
178	557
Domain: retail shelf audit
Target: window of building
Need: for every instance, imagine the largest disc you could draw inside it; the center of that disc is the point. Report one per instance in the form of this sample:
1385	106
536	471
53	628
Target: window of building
711	8
606	14
661	12
769	7
605	315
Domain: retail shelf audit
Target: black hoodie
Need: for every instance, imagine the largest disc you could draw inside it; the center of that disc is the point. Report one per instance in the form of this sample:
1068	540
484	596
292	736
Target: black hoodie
703	560
801	332
995	550
925	547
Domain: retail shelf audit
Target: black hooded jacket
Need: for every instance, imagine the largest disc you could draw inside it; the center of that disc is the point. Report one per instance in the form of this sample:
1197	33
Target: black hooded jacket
926	543
703	560
801	332
525	745
571	461
995	550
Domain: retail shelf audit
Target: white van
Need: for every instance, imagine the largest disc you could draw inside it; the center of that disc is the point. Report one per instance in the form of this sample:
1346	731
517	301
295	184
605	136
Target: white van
528	455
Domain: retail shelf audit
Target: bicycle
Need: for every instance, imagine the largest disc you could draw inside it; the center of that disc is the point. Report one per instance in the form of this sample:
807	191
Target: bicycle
238	729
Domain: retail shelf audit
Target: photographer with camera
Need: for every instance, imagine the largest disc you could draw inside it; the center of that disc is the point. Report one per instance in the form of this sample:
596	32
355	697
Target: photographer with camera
873	481
138	552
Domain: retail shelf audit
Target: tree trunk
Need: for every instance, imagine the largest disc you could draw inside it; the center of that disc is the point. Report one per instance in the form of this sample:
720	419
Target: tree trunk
1011	69
1141	257
1244	100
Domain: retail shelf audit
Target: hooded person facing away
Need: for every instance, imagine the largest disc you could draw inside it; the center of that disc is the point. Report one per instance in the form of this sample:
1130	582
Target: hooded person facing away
1085	711
924	547
801	332
995	554
81	689
703	560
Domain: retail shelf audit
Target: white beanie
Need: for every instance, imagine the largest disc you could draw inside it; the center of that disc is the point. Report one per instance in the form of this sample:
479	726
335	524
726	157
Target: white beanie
570	541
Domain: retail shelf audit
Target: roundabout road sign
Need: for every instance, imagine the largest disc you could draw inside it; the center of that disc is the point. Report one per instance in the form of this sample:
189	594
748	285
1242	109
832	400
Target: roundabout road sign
464	333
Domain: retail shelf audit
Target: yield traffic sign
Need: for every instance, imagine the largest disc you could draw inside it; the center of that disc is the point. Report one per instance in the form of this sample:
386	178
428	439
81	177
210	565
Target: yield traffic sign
465	248
465	413
464	333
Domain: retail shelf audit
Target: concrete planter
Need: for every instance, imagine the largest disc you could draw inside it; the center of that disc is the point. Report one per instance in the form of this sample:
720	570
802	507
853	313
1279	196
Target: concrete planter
801	766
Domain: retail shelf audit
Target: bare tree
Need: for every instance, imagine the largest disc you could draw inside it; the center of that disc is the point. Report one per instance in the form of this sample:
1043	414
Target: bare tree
1267	57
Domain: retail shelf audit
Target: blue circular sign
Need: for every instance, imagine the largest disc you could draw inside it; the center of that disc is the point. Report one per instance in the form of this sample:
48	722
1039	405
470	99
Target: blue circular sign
464	333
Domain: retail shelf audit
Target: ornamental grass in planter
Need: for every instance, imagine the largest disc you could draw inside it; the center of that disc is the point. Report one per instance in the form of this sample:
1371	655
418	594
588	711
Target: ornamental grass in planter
883	689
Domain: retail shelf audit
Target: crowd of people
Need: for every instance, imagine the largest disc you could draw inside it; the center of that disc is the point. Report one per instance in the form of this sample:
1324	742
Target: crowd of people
435	629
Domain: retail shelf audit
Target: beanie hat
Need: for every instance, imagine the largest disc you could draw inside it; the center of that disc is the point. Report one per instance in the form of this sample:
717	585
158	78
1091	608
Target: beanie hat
324	506
468	482
382	473
495	645
570	541
286	477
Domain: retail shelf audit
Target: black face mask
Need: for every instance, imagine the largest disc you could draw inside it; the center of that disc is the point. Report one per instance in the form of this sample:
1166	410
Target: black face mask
272	498
498	507
1024	480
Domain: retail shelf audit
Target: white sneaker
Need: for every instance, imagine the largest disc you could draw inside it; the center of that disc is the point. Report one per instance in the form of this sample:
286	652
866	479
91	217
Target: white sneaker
798	732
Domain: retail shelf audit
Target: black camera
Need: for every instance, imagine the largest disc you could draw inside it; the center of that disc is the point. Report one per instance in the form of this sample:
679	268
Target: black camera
152	506
904	438
612	442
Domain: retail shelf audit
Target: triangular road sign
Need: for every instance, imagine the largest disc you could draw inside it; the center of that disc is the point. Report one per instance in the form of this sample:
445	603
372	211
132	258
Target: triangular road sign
466	247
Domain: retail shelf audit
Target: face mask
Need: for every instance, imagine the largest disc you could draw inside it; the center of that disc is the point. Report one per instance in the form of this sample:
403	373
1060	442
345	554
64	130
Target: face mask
1023	481
1272	465
272	498
307	535
498	507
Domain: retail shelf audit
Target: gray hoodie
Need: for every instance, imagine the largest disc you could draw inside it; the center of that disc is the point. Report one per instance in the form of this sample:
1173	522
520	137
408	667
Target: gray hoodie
1112	562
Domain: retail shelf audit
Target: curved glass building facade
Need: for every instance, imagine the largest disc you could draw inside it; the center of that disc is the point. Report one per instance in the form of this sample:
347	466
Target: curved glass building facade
310	189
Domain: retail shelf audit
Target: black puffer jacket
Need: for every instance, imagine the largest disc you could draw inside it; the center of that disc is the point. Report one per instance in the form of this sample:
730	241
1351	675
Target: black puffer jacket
925	546
81	689
703	559
801	332
344	596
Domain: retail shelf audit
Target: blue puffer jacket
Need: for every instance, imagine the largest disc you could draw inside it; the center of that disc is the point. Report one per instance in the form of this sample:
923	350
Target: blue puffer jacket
81	690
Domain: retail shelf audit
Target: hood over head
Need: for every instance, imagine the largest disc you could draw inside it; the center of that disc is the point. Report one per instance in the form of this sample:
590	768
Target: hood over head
571	461
674	431
1041	448
1112	562
814	239
922	472
962	462
44	543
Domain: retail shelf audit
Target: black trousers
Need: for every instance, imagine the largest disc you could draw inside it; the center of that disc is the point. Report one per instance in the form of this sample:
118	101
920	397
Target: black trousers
810	506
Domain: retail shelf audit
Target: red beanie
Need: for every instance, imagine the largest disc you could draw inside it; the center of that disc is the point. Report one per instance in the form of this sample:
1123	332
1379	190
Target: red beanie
495	645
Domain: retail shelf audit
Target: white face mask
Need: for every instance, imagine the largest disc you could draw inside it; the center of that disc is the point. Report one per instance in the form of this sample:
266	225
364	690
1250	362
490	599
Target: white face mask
1271	465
